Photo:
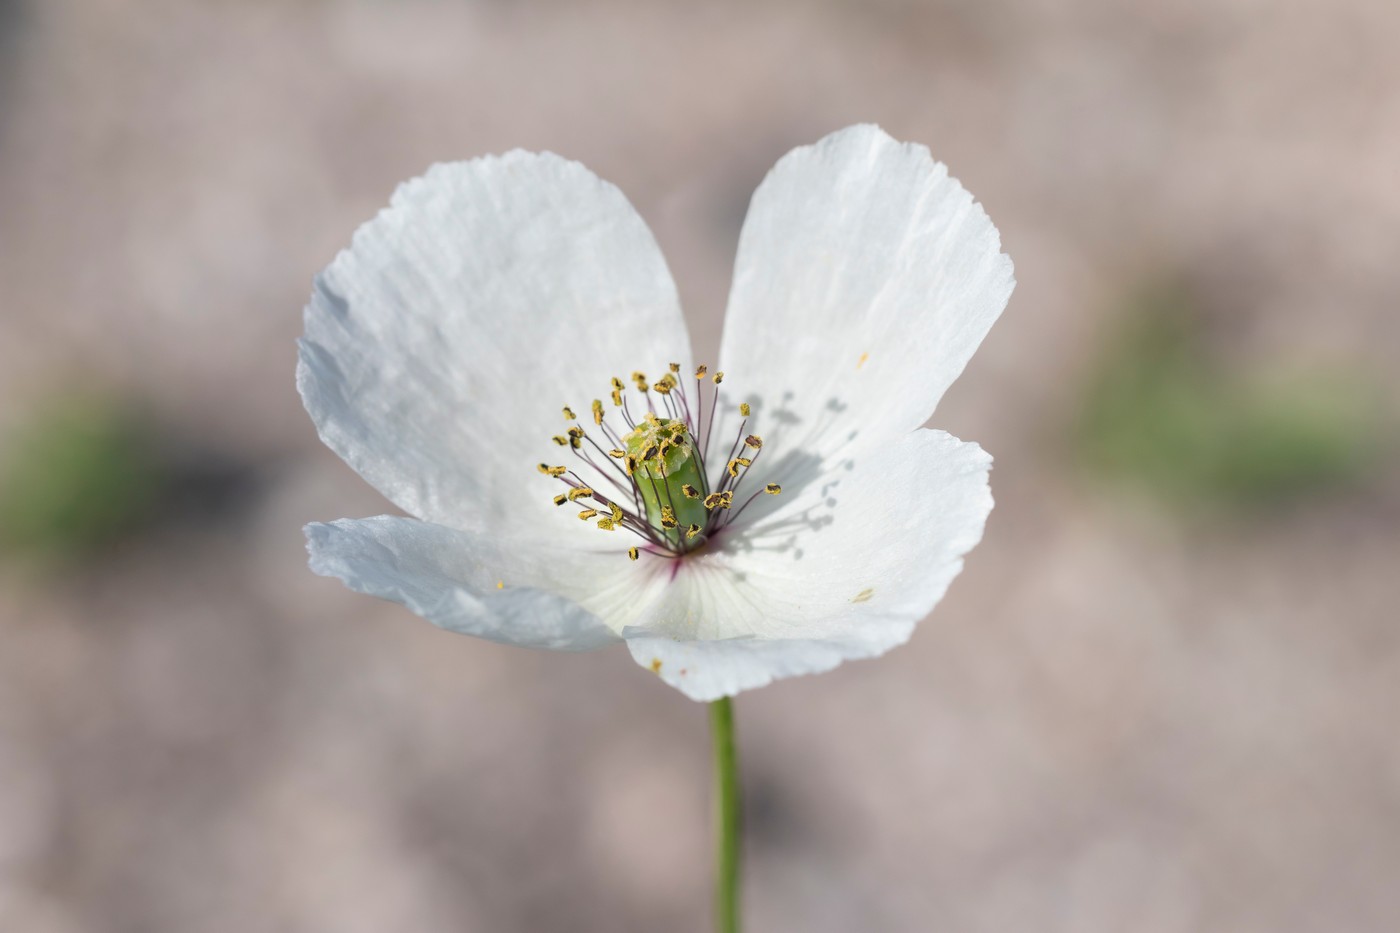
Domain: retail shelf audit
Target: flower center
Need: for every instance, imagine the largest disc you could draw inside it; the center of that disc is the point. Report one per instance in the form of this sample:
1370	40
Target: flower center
651	479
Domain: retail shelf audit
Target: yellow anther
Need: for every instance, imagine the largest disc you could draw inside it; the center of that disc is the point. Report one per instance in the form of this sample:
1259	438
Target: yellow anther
668	517
597	411
575	443
675	367
631	464
616	384
617	454
690	492
713	500
744	409
640	379
579	492
738	462
754	441
718	378
548	470
692	531
560	499
632	553
569	413
616	512
701	370
726	498
607	524
617	396
586	514
561	440
576	431
651	419
772	489
663	387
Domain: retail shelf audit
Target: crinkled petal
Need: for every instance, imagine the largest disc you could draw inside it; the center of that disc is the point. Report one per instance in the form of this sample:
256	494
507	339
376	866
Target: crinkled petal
462	581
865	279
844	571
441	346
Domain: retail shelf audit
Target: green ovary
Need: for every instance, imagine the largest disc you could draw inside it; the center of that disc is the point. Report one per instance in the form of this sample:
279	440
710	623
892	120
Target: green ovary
663	477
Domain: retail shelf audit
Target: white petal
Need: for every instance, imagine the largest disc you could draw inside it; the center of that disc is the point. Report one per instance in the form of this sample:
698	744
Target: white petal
845	571
460	581
865	279
441	346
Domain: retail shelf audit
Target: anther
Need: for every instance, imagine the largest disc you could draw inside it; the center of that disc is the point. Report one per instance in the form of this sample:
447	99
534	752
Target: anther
692	531
548	470
675	367
690	492
632	553
586	514
713	500
560	499
744	409
668	517
607	524
617	454
772	489
597	411
579	492
718	378
561	440
754	441
701	370
568	413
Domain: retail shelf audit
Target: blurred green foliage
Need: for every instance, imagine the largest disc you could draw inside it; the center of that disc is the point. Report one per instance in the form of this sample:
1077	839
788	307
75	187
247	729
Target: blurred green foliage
75	477
1163	413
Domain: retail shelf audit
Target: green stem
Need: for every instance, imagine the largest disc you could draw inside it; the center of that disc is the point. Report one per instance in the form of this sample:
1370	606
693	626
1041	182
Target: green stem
728	817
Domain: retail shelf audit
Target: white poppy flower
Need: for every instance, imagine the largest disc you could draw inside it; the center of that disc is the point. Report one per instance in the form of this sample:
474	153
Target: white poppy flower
442	345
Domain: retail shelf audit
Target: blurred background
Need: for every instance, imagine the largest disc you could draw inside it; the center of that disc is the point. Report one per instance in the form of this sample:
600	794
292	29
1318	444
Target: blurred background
1162	696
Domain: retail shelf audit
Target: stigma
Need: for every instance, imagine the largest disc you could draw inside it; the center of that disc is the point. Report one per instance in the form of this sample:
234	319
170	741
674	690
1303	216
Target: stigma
653	474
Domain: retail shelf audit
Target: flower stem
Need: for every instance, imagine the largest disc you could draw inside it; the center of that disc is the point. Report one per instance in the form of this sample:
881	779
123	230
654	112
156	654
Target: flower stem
728	817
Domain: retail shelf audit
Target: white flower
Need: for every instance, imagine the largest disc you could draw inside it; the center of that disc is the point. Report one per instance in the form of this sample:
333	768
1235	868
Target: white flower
441	346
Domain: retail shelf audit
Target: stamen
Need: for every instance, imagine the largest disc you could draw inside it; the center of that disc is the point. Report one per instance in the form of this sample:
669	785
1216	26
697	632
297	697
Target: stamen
586	514
632	553
568	413
773	489
560	499
701	370
561	440
690	492
754	441
598	412
579	492
744	409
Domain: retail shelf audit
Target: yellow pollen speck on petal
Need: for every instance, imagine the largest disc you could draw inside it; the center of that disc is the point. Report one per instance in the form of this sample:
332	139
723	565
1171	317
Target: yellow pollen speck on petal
632	553
754	441
690	492
718	378
701	370
568	413
656	665
744	409
864	595
863	358
597	411
579	492
586	514
560	499
773	489
500	584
